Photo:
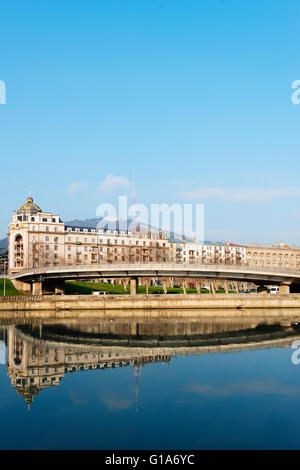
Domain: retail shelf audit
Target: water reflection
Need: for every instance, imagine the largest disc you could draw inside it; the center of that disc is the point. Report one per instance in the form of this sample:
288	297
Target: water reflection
41	352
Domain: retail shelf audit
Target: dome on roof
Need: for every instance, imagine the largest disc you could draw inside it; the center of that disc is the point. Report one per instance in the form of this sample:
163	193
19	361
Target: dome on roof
28	393
29	207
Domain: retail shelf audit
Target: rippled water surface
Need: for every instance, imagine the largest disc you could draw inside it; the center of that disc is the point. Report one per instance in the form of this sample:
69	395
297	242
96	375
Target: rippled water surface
149	384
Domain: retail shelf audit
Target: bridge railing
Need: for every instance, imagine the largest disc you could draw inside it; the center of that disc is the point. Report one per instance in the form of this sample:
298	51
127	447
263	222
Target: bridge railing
21	298
175	267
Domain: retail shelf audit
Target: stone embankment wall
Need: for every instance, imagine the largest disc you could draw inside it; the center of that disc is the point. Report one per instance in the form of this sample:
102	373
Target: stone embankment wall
194	305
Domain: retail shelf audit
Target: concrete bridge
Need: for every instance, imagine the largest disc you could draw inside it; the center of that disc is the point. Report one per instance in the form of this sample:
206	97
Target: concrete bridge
32	280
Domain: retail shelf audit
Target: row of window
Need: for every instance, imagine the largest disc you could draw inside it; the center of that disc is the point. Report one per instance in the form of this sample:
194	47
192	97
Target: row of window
274	255
28	218
109	241
152	235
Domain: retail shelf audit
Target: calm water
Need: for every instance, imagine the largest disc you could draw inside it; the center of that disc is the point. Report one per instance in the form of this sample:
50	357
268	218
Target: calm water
148	384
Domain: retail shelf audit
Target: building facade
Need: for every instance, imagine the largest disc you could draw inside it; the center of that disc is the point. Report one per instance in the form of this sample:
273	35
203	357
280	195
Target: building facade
278	255
39	239
208	252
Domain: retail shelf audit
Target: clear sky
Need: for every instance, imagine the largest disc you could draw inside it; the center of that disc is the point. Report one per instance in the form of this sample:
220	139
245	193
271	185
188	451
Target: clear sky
192	96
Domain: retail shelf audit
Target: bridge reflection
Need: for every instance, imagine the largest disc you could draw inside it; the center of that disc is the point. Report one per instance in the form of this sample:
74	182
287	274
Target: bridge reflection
40	353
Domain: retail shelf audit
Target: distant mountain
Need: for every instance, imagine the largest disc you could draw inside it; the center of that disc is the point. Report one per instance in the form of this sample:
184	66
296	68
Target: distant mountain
88	223
3	244
110	224
104	223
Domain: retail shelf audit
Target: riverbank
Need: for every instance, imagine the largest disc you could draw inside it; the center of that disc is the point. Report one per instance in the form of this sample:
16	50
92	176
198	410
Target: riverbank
124	303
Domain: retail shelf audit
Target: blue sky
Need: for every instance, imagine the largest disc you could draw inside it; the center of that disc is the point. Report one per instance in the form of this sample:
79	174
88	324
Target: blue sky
193	97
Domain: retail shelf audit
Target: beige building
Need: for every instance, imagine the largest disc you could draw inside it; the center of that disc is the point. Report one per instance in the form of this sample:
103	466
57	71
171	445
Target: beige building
40	239
208	252
278	255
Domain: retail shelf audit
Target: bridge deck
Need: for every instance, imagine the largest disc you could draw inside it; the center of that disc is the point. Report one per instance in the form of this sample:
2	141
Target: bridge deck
188	270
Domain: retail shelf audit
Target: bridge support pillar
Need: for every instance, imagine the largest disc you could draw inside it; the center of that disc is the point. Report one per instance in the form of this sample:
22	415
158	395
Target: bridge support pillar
134	284
164	283
212	287
226	287
125	282
284	288
37	288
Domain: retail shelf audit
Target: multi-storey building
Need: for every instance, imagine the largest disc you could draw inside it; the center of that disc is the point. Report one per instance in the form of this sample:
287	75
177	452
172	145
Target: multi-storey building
40	239
278	255
208	252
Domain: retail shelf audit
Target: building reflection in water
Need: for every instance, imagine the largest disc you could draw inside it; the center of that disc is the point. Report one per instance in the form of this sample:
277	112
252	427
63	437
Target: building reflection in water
39	354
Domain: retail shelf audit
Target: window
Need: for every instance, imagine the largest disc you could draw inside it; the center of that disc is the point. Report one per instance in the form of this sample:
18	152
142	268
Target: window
46	239
55	247
47	228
